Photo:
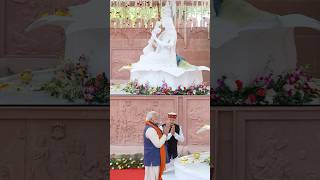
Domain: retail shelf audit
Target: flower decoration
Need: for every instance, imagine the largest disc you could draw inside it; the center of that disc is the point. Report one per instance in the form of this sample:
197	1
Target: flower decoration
3	85
291	88
26	76
68	81
72	82
96	90
126	161
135	88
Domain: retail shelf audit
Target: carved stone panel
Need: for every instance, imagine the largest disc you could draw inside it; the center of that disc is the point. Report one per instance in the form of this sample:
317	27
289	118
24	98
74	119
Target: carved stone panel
12	140
197	114
61	150
267	143
53	143
128	116
277	150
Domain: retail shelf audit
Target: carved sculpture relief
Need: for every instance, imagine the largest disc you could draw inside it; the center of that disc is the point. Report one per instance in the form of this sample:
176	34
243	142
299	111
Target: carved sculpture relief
4	171
197	115
11	157
58	156
128	117
50	143
278	150
270	162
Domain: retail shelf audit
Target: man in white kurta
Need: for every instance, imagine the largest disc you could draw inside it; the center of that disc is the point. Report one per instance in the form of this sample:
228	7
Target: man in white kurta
152	145
174	137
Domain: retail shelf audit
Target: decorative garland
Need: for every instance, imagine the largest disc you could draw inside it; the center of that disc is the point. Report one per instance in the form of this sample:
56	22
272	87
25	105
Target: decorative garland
144	89
291	88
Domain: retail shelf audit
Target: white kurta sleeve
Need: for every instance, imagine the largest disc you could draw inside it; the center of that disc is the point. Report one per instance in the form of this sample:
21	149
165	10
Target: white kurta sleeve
169	136
152	135
179	136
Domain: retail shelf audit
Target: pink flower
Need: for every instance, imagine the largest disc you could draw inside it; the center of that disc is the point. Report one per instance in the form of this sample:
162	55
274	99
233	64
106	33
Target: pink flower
292	79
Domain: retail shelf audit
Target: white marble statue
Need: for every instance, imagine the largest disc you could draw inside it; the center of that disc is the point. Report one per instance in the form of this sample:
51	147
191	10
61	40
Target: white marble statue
159	64
149	48
249	42
164	55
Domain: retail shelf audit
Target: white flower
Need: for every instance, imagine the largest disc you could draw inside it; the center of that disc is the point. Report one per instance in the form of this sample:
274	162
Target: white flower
270	93
231	84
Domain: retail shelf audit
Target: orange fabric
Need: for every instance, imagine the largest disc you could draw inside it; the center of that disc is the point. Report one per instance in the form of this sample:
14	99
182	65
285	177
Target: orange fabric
162	150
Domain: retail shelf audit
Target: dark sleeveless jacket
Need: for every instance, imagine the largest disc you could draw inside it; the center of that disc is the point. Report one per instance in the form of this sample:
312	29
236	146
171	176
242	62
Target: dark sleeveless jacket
172	143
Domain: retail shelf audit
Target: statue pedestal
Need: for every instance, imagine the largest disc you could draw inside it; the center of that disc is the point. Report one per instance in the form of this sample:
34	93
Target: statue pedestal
157	78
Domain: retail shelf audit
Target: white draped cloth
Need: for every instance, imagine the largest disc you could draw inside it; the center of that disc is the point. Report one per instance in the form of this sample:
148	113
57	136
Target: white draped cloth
192	170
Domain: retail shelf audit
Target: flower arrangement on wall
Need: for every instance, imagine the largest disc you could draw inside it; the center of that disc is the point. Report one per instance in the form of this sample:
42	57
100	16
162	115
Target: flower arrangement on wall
72	82
290	88
96	90
144	89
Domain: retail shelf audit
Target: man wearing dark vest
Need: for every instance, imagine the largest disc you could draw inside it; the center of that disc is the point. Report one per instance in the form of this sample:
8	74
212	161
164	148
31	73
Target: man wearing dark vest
175	135
155	152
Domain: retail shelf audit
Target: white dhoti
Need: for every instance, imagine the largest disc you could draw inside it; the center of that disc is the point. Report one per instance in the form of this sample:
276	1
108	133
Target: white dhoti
151	173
